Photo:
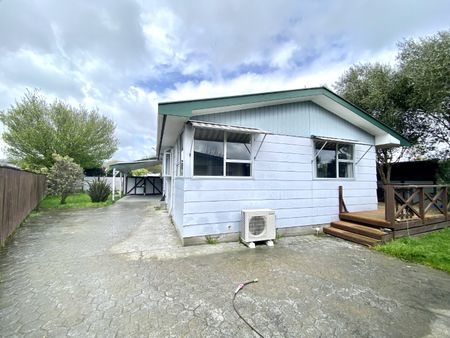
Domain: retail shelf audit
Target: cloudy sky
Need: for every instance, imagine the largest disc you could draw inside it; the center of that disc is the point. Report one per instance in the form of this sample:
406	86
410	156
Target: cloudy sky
126	56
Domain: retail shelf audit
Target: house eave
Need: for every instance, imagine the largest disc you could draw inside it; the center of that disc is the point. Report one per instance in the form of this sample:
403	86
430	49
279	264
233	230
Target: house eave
181	111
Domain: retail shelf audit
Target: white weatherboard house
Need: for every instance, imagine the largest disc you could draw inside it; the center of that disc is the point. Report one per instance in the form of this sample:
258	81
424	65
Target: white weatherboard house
288	151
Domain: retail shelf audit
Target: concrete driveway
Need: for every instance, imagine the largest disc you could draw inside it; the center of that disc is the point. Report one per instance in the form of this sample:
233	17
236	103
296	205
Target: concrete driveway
120	271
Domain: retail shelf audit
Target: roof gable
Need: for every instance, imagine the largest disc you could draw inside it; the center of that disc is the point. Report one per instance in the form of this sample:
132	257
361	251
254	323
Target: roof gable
301	119
184	110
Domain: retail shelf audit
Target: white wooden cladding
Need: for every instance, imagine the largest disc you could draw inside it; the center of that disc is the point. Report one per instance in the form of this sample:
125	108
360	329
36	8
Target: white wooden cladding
283	180
294	119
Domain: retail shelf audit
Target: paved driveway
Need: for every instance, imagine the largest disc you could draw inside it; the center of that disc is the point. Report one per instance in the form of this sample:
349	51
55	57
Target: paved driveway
120	271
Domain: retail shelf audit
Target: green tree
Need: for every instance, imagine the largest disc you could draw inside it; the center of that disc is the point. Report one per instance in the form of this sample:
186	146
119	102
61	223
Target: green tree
375	88
413	97
36	129
424	66
139	172
63	177
443	172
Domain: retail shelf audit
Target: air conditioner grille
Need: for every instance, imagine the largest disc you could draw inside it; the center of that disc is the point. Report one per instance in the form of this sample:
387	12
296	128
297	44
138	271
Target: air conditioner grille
257	225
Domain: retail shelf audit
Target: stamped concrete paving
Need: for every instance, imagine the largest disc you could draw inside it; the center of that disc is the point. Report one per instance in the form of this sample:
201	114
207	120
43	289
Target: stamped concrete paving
120	271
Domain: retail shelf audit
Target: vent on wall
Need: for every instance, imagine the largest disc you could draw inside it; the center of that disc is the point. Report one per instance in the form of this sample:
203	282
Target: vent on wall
258	225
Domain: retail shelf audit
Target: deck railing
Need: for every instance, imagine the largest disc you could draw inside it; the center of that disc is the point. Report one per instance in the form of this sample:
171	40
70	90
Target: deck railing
420	204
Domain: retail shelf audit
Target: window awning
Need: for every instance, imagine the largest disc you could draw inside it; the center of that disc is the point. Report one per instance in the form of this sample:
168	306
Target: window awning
225	127
336	140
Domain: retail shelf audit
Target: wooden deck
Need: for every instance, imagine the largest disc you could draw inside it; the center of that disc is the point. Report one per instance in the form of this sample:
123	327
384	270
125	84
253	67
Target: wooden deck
415	212
372	218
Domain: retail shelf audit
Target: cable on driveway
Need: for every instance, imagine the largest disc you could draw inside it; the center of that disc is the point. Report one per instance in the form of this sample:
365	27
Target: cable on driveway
239	288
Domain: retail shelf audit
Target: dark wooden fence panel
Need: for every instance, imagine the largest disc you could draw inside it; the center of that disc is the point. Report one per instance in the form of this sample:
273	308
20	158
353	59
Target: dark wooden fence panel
20	192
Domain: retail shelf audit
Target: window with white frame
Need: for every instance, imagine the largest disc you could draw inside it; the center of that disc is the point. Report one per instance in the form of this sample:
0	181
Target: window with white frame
334	160
167	164
180	156
219	153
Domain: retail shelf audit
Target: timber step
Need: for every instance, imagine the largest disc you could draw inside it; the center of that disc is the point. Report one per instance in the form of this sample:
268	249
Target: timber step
363	219
359	229
351	236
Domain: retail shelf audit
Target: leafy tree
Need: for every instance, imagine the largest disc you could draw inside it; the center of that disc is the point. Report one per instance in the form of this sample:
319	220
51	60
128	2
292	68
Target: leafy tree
424	65
36	129
443	172
139	172
374	88
155	169
413	97
63	177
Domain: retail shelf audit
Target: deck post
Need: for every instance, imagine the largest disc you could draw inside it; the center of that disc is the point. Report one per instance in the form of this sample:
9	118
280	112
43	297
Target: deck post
389	202
421	204
445	202
114	184
342	206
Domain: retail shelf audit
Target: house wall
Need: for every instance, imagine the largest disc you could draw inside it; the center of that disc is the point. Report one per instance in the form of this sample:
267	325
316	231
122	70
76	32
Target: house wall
178	204
283	176
174	188
295	119
283	180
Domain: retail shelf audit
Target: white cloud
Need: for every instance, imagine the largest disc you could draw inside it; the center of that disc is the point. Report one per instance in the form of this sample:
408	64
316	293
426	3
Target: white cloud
283	54
125	56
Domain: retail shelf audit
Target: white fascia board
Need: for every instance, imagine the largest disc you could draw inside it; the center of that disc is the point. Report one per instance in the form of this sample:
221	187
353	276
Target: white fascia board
386	140
173	128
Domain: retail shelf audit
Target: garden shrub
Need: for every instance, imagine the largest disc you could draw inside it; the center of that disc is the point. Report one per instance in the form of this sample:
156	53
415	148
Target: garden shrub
99	190
63	177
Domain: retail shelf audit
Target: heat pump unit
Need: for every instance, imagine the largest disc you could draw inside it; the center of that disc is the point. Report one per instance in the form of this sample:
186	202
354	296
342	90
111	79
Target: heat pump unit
258	225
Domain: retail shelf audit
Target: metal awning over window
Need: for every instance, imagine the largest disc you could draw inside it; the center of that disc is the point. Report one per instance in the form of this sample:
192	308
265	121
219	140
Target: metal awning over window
341	141
225	127
335	140
215	131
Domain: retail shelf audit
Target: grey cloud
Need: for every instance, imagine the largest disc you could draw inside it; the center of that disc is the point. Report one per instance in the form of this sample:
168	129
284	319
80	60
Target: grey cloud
79	29
24	24
235	32
25	71
95	52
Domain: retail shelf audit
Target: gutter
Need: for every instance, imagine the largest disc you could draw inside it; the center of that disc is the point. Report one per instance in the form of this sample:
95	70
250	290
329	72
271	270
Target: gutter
162	134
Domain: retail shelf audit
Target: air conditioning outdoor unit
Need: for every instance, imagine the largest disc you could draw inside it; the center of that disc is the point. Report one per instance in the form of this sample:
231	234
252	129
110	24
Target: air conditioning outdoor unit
258	225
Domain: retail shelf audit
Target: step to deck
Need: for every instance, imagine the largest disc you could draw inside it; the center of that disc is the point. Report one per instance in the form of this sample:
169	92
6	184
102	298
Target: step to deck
351	236
360	229
362	219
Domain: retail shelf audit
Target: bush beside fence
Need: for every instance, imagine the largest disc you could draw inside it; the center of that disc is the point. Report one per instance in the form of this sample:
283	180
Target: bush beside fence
20	192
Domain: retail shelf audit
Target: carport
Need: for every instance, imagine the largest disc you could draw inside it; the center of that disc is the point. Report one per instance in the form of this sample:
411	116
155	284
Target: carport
136	185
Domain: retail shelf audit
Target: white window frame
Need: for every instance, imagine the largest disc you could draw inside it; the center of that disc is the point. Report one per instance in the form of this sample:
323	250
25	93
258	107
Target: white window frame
168	168
225	160
337	161
180	157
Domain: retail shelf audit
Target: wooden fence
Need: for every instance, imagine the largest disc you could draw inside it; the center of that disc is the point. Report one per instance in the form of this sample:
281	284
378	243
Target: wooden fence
20	192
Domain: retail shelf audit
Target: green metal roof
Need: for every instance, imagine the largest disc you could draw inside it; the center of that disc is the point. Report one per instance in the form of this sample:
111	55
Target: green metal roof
185	108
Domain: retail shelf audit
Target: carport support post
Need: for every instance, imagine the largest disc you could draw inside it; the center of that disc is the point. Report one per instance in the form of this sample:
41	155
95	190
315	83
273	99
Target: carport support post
120	190
114	184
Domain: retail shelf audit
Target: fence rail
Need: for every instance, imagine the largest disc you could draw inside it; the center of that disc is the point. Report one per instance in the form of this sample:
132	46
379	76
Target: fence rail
420	204
20	193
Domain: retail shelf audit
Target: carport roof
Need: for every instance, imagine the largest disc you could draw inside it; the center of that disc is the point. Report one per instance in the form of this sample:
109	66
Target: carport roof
127	166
